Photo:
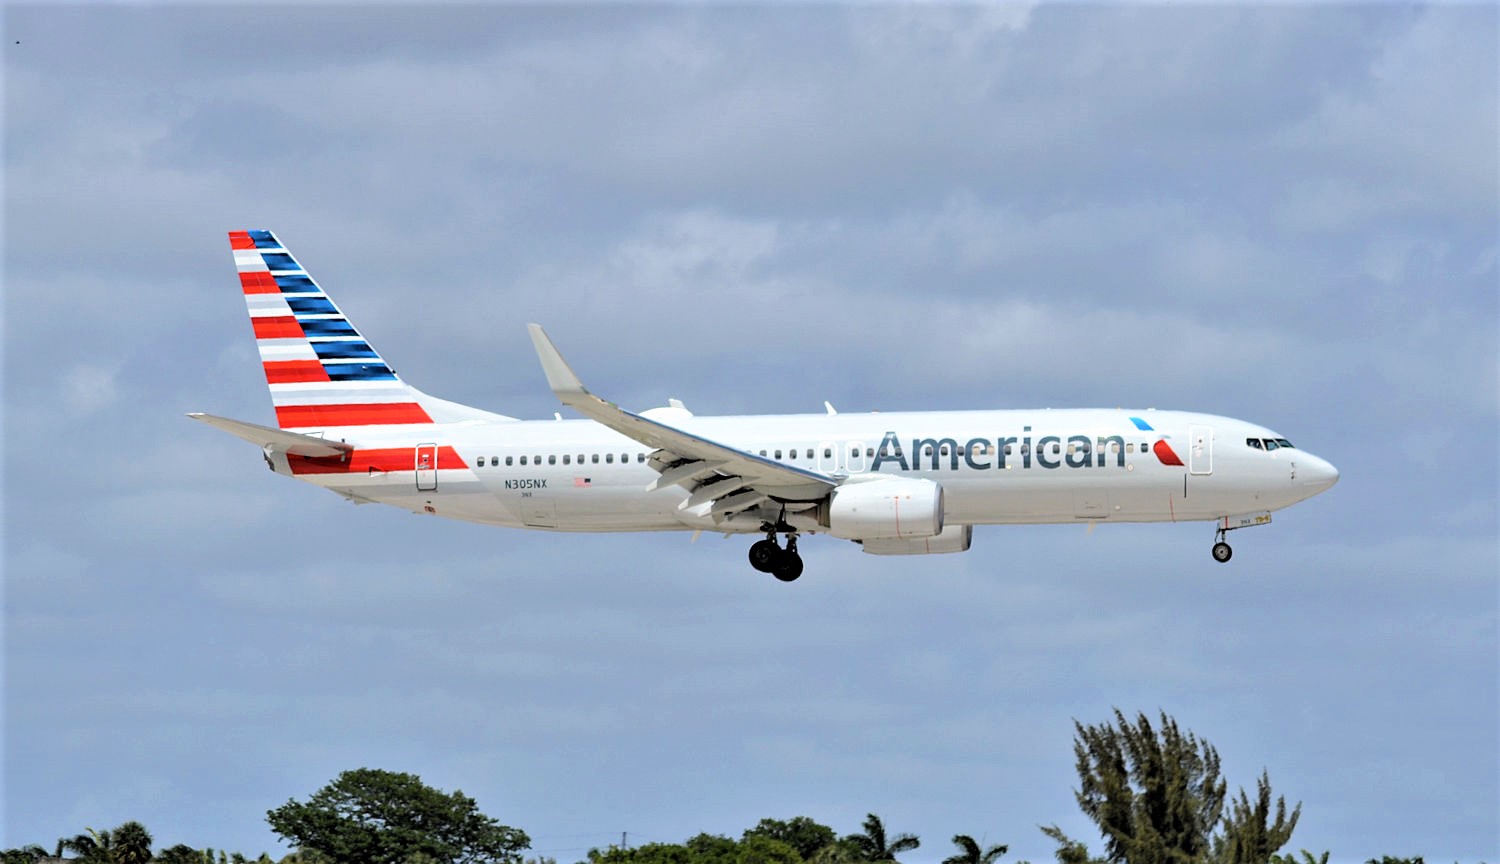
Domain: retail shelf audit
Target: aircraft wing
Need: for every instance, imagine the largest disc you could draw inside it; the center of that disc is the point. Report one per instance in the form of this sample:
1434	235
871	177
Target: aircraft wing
712	466
294	443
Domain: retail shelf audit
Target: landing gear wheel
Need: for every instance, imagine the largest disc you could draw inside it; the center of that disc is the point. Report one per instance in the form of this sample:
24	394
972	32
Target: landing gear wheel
789	567
764	554
1222	552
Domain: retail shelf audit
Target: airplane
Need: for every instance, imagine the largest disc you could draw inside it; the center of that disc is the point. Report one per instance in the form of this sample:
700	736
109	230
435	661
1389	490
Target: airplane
904	483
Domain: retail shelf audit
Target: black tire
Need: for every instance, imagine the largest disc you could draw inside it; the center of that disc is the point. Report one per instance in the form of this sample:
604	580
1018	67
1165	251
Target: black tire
1222	552
789	567
764	554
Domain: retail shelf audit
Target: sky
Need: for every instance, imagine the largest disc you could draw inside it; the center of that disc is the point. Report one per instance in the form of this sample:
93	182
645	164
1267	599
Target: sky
1286	214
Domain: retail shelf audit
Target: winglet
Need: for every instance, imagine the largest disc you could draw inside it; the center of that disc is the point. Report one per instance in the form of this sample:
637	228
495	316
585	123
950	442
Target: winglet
560	376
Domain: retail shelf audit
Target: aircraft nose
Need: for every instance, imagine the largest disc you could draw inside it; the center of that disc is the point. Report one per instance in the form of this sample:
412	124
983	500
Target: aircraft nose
1315	473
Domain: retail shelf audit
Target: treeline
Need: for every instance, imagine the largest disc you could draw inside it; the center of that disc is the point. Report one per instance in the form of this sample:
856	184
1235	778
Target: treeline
1153	791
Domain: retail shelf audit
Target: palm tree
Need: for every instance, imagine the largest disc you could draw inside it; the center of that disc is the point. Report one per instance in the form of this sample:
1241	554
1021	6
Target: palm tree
132	844
874	847
969	852
95	847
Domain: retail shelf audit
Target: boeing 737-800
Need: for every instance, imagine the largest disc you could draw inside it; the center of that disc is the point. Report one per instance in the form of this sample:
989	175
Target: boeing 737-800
896	483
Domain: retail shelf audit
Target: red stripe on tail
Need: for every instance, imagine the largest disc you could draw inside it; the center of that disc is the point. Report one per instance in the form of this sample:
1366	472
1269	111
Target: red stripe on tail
240	240
365	414
276	327
294	371
259	283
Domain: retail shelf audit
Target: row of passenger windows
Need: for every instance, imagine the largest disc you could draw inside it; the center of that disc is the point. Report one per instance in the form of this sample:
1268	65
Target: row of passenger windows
977	450
564	459
1269	443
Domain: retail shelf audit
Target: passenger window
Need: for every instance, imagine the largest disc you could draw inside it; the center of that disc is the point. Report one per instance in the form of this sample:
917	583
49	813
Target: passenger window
809	453
1056	448
567	460
778	454
594	458
523	460
537	459
551	460
827	453
610	458
1072	448
508	461
640	457
869	452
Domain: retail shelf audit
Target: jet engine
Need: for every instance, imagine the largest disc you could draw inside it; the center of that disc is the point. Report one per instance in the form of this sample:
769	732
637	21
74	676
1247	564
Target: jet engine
890	508
954	538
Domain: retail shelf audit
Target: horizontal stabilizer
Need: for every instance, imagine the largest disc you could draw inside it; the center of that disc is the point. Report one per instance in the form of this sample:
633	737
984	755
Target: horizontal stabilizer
280	440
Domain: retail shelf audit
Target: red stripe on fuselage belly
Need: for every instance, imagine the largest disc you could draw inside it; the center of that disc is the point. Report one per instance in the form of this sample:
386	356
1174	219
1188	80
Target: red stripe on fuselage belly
388	460
294	371
276	327
365	414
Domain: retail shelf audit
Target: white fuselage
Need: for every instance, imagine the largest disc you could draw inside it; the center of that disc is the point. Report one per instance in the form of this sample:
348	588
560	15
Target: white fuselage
995	467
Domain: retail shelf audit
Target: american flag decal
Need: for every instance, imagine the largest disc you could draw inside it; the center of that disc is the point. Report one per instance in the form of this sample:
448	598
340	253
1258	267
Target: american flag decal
581	482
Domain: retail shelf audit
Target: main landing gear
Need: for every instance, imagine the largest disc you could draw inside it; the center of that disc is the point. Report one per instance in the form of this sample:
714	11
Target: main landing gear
767	556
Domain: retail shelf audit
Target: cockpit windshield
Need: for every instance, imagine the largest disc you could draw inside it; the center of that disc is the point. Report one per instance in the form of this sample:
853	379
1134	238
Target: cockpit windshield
1268	443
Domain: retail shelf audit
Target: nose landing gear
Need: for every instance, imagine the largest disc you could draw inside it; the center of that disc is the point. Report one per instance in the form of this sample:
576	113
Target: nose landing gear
1222	552
768	556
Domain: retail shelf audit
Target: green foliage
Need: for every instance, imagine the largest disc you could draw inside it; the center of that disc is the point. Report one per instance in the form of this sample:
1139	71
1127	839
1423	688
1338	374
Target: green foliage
759	849
368	816
801	833
1387	859
873	847
1157	797
1306	858
1249	836
179	854
970	853
23	855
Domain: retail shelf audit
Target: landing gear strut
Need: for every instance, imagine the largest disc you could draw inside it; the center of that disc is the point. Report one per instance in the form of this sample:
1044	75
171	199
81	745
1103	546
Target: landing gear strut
767	556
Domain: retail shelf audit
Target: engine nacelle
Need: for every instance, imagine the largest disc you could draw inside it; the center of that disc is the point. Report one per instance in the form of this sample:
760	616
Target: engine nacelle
954	538
886	509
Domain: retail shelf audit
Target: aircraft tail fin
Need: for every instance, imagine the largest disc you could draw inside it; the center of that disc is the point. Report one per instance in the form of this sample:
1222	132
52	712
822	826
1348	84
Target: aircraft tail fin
321	372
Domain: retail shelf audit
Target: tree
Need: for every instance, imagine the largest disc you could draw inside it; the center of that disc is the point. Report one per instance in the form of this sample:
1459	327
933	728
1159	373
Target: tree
800	833
132	844
1157	798
873	846
970	853
23	855
1249	836
94	847
368	816
1307	858
760	849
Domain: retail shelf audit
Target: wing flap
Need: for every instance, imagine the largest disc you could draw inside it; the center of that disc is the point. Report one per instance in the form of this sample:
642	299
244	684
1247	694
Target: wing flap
759	473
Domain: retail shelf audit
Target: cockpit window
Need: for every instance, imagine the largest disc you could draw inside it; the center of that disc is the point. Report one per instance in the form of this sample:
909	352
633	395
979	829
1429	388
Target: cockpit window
1282	442
1254	442
1271	444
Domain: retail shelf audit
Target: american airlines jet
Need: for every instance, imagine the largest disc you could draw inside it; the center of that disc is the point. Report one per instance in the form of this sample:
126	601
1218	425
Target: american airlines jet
895	483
